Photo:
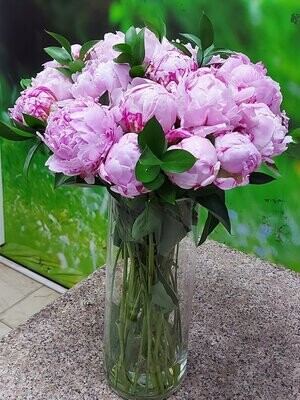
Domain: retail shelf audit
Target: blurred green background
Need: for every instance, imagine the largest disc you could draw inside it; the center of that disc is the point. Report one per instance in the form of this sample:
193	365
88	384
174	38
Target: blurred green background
61	234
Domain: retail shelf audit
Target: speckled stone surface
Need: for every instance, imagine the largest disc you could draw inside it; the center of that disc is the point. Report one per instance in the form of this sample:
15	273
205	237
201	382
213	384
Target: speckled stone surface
244	341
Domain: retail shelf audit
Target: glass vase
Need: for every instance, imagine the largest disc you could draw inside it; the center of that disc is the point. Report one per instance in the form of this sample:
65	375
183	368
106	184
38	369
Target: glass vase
149	287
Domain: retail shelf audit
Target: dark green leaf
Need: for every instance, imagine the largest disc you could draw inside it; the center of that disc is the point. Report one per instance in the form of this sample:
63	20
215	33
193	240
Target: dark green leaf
122	47
273	167
137	71
58	54
146	173
15	134
206	32
86	47
156	183
153	137
216	205
148	158
123	58
76	66
161	298
182	48
63	180
199	57
167	192
207	59
131	36
177	161
65	71
259	178
192	38
62	41
33	122
293	151
168	288
25	83
138	50
210	224
104	99
29	156
147	222
157	26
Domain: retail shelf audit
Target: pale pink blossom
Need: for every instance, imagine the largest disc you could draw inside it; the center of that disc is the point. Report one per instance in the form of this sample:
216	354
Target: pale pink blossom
206	167
119	167
54	80
103	51
36	102
80	135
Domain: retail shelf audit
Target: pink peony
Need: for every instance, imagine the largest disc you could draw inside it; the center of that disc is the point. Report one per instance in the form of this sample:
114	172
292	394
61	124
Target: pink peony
119	167
98	77
54	80
238	156
80	135
250	81
206	168
35	101
170	66
176	135
268	131
103	51
143	101
205	101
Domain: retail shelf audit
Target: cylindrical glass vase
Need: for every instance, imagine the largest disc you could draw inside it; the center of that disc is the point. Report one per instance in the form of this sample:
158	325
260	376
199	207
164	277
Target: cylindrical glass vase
149	285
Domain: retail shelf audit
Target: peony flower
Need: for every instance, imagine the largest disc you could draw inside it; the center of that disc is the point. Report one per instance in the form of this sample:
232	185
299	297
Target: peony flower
205	169
170	66
144	100
103	51
80	135
268	131
176	135
36	101
238	157
98	77
250	81
119	167
205	101
54	80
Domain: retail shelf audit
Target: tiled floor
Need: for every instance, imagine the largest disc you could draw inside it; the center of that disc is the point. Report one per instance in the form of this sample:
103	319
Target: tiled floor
20	297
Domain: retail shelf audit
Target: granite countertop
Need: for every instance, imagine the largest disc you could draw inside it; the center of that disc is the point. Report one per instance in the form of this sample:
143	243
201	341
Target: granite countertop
244	341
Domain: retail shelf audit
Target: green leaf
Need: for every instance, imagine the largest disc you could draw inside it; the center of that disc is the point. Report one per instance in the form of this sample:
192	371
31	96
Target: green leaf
207	59
216	205
58	54
146	173
293	151
131	36
156	183
123	58
273	167
259	178
147	222
63	180
177	161
182	48
137	71
59	179
62	41
161	298
122	47
138	50
210	224
153	137
167	192
295	133
192	38
29	157
199	57
11	133
33	122
104	99
65	71
157	26
148	158
25	83
206	32
168	288
86	47
76	66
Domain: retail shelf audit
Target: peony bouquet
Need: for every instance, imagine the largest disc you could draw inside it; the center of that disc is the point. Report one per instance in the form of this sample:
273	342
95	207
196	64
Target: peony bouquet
166	126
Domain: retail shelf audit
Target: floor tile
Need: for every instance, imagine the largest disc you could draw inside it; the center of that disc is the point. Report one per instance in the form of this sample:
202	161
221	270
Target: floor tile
14	287
33	303
4	329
